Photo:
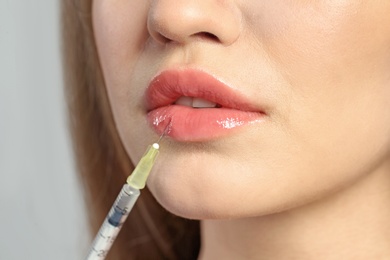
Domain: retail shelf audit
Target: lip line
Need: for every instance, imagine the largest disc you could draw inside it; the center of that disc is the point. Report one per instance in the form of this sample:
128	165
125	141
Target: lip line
169	85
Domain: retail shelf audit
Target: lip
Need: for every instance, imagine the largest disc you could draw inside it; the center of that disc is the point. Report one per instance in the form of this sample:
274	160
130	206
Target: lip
196	124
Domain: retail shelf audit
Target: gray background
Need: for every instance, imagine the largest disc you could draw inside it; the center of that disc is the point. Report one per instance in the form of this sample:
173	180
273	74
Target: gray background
41	207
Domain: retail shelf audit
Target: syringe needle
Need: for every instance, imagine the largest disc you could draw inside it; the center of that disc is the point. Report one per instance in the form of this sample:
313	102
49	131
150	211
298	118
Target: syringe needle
166	130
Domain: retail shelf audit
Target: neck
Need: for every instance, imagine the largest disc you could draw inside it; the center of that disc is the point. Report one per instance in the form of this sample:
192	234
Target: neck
352	224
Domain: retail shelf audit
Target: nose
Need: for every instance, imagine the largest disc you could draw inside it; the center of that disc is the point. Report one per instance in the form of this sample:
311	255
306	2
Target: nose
183	21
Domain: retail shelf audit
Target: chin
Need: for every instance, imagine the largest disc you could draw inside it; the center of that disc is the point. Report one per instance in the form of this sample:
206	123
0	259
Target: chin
191	206
207	197
181	199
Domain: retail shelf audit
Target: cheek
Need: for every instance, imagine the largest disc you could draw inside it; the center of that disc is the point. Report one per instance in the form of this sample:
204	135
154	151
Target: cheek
120	33
326	39
336	65
335	59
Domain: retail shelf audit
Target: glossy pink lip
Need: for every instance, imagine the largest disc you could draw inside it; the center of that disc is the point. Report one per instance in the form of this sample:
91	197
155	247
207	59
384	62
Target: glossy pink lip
196	124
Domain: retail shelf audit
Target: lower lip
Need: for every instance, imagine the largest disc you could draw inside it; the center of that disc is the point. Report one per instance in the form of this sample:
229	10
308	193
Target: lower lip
199	124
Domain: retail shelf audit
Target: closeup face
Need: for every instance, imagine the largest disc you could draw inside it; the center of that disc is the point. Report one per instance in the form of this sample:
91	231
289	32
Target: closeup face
271	104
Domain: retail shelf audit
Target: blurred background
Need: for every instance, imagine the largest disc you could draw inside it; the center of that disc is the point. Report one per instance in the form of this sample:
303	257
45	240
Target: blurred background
42	212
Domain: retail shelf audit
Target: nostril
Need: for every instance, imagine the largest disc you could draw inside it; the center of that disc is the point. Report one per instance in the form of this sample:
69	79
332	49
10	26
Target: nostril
200	36
206	36
164	39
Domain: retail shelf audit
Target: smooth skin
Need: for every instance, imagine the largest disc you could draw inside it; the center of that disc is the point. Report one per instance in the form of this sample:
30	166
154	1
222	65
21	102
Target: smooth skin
310	181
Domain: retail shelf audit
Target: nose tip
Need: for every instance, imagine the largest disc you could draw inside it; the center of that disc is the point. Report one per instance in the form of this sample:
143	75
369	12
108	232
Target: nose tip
183	21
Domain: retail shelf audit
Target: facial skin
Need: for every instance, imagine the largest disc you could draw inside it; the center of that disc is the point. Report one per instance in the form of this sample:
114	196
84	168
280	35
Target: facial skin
320	70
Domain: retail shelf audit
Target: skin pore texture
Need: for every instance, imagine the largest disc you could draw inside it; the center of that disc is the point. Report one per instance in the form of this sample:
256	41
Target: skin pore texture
309	181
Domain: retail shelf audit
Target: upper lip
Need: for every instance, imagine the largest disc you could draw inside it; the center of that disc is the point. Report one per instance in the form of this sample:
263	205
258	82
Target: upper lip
169	85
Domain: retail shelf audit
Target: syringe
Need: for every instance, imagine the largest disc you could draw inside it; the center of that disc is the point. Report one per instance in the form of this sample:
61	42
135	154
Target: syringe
123	205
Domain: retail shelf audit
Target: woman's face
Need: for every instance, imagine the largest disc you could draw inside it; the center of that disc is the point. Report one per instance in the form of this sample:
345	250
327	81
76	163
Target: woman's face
302	91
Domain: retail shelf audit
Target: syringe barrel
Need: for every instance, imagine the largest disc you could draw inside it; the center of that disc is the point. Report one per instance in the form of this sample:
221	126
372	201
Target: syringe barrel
113	222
